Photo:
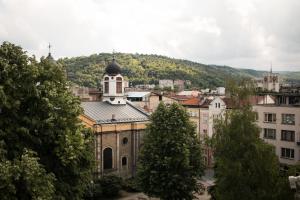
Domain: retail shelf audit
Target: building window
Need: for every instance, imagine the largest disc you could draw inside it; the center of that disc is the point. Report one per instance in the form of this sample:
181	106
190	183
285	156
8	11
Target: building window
287	153
106	87
124	161
288	135
125	140
107	158
218	105
119	85
160	98
270	117
256	116
270	133
288	119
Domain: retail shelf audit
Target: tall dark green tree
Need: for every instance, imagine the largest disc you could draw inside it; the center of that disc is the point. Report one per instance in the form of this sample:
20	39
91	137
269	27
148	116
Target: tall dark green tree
170	161
246	166
39	114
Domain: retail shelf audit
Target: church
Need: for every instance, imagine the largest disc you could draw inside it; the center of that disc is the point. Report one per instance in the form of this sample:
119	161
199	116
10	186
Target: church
118	126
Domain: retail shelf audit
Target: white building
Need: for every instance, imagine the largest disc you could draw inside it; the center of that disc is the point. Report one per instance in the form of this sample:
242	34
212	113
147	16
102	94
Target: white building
113	85
280	126
166	83
203	112
270	82
221	90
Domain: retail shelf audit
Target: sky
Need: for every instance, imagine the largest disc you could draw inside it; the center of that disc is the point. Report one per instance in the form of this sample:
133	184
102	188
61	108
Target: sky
238	33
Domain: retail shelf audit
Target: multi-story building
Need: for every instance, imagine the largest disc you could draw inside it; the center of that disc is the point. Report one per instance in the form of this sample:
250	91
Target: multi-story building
118	126
280	125
147	101
203	111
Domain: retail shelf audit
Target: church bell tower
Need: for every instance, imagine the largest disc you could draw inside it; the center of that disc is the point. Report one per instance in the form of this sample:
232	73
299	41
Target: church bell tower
113	84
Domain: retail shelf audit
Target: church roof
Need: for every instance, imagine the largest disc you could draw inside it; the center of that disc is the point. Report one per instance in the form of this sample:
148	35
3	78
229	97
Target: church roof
106	113
113	68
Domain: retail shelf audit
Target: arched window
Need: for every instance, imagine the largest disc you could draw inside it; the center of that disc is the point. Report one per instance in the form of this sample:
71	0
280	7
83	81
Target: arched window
107	158
106	85
124	161
125	140
119	85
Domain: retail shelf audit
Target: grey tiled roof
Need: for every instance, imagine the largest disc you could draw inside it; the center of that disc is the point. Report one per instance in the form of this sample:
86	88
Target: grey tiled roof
102	112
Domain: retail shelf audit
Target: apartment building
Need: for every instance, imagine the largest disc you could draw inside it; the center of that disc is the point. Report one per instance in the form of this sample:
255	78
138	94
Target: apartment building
203	111
280	125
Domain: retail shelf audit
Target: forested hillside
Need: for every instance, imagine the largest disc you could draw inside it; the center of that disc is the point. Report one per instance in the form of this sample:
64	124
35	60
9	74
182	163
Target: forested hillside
143	69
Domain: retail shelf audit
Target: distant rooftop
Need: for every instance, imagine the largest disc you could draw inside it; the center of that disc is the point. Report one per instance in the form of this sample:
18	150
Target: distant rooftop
137	94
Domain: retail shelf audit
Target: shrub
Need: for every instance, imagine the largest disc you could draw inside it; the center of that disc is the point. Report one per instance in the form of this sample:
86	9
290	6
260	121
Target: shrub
110	185
130	185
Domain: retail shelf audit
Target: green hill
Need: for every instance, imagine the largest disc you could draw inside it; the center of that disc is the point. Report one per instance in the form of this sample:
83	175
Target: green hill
143	69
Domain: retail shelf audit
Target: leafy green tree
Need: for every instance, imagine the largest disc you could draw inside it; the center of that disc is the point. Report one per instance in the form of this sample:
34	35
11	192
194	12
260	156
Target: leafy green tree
245	166
24	178
38	113
170	161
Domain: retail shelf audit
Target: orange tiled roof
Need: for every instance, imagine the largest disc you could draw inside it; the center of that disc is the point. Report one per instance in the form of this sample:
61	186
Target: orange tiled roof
191	102
196	101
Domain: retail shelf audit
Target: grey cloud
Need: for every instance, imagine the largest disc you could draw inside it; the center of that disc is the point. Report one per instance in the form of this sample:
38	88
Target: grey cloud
249	33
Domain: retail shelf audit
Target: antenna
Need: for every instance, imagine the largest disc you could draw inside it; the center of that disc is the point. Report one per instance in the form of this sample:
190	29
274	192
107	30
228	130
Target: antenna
49	47
271	67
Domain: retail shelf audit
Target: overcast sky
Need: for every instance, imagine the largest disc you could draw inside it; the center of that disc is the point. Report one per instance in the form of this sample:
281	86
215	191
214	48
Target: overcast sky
238	33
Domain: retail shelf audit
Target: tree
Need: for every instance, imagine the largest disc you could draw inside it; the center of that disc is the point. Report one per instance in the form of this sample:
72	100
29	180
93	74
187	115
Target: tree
24	178
245	166
38	115
170	161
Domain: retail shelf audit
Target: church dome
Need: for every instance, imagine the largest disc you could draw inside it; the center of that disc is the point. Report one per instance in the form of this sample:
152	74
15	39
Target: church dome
113	68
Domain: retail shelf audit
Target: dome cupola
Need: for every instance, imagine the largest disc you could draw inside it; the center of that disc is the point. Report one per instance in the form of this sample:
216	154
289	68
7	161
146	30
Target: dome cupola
113	68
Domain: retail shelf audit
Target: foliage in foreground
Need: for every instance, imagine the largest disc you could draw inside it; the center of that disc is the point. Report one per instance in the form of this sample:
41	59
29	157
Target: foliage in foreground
46	153
170	160
107	186
246	168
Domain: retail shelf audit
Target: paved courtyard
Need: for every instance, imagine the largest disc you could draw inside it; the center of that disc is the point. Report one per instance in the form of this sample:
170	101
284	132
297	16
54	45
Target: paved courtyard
141	196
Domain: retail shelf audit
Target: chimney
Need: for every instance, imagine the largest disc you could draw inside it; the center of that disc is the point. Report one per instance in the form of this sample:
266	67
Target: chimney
113	117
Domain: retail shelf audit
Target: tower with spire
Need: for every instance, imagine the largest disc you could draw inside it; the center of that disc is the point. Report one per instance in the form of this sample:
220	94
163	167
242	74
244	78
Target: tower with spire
49	57
271	81
113	84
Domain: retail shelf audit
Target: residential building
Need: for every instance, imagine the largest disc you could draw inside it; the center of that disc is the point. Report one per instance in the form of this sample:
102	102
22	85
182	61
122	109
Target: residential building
203	111
280	125
193	93
220	90
166	83
86	94
118	126
179	84
145	100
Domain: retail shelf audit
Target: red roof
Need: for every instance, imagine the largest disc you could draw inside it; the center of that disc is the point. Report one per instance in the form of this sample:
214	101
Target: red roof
191	102
196	101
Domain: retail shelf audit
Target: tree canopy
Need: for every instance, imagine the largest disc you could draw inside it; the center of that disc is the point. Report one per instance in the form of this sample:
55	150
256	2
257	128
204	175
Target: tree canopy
170	161
245	166
39	126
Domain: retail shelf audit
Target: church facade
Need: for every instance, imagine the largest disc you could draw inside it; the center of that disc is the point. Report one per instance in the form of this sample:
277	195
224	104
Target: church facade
118	126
